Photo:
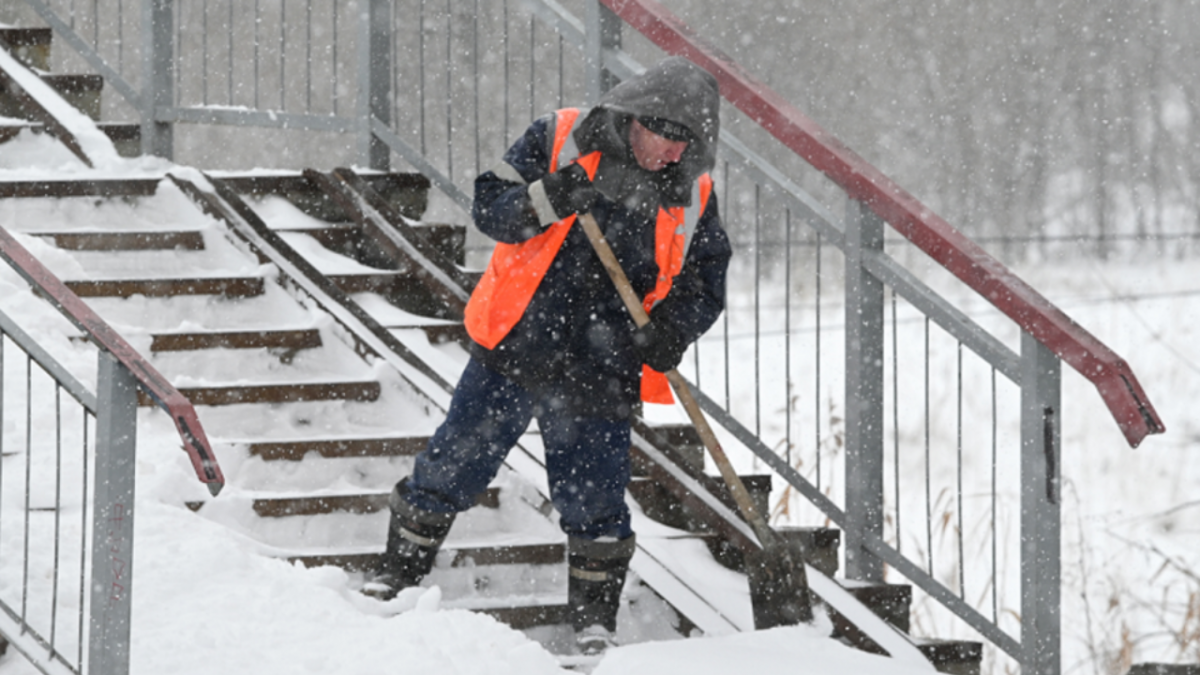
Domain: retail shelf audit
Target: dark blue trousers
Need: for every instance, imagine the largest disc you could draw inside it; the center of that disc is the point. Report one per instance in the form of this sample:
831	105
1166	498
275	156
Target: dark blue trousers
587	459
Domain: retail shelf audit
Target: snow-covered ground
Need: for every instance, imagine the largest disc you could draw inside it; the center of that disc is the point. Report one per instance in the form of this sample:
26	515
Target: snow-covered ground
207	601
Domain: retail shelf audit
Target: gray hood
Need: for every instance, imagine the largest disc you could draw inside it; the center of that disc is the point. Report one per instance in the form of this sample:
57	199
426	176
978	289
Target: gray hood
675	89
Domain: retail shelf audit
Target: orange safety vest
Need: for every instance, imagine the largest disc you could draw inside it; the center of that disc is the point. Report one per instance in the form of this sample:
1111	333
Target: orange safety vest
515	270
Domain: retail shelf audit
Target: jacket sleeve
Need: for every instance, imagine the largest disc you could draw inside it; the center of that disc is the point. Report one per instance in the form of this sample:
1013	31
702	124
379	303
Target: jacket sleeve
697	295
510	205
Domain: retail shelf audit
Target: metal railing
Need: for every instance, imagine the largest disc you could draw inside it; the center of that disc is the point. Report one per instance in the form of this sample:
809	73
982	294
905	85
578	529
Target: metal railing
860	369
67	471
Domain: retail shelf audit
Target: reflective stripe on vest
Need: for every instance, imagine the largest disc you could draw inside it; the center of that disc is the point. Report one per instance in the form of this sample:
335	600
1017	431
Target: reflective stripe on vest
515	270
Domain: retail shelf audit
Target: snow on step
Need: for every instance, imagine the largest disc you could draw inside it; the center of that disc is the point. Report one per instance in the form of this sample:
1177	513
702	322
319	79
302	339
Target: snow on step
93	142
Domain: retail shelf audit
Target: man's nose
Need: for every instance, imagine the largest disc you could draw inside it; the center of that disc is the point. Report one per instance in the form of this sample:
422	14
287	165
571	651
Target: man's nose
675	151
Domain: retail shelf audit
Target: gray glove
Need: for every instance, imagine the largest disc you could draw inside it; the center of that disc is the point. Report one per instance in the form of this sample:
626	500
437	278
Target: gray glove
570	191
659	345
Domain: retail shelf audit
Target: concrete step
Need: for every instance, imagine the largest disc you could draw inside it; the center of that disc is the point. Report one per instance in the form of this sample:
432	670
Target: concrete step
522	585
125	241
385	282
282	507
294	451
81	91
294	340
125	136
100	187
348	239
276	393
458	556
399	288
1160	669
892	603
239	287
30	46
407	192
956	657
537	613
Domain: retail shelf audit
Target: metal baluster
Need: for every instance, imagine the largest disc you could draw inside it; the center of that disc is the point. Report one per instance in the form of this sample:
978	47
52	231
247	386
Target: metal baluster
229	31
449	96
928	472
333	95
2	416
395	56
560	70
57	511
421	71
204	52
757	332
282	55
727	306
475	82
962	563
532	70
817	361
787	331
28	483
896	416
257	17
995	566
120	36
83	530
308	56
507	59
178	49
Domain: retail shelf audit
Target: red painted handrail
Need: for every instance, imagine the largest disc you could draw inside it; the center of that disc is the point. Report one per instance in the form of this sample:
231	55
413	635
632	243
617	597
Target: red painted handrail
195	443
1035	314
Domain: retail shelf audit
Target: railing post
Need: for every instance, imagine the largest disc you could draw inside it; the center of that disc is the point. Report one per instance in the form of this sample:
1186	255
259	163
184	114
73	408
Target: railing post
864	393
374	100
602	30
112	519
1041	554
158	76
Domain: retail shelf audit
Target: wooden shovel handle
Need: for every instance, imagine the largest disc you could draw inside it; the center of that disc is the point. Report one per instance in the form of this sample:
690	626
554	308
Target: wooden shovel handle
634	304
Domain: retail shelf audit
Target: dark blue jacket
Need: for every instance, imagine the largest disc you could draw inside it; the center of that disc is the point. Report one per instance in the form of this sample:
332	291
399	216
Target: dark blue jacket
573	344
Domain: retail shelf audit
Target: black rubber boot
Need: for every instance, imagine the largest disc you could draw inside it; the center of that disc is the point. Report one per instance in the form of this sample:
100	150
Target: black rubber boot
414	537
597	572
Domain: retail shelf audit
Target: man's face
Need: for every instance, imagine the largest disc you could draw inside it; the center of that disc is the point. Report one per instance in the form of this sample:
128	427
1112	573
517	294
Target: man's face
653	152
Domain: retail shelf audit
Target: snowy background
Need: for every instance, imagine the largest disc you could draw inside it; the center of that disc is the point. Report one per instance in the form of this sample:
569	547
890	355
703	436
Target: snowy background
206	601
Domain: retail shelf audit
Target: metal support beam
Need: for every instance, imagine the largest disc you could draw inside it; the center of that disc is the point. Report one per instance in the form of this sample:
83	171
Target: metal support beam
602	30
158	82
1041	509
112	519
374	100
864	393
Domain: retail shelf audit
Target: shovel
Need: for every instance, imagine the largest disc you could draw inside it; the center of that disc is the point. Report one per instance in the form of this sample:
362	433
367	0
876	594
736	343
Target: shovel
778	583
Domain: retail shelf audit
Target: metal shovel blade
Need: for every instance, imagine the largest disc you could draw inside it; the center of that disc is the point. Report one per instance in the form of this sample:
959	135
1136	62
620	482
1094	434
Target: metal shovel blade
778	587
